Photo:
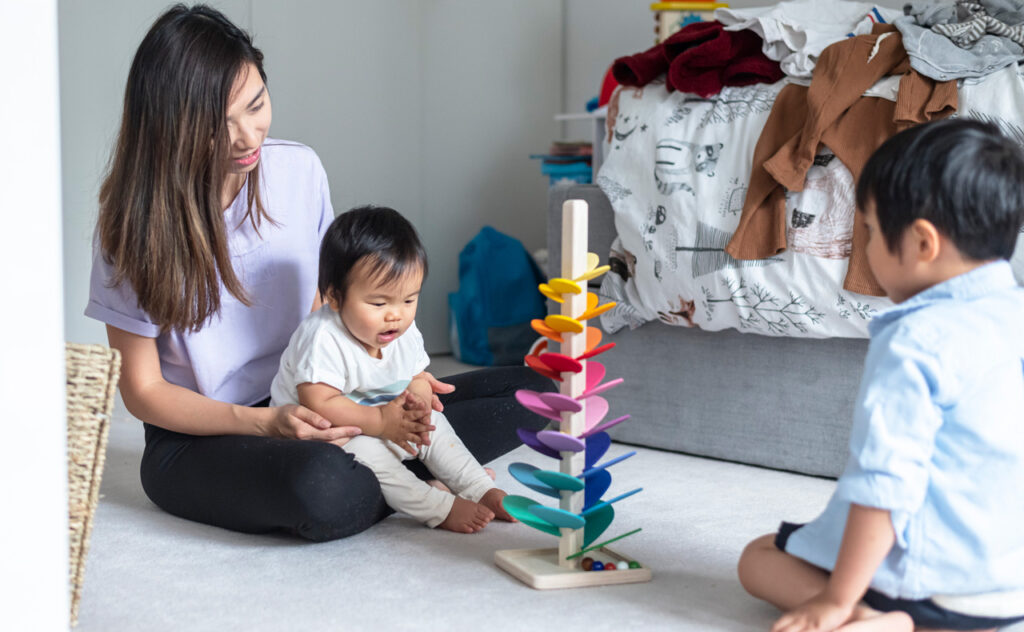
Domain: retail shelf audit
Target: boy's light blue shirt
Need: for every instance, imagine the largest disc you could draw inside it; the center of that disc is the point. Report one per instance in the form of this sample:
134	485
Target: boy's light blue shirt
938	440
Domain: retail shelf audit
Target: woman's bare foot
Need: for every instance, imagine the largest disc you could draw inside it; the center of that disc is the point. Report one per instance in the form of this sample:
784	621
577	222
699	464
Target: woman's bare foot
466	516
492	500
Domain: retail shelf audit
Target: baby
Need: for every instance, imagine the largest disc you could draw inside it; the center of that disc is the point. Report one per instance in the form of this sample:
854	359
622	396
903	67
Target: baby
926	526
359	361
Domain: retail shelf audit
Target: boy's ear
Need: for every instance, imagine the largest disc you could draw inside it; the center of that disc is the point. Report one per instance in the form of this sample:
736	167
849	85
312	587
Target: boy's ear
925	240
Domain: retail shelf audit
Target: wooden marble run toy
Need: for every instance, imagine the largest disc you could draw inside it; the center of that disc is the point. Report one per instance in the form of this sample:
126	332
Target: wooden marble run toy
582	515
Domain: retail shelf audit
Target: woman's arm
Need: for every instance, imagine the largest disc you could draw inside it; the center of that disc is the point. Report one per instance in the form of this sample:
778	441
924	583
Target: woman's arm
154	400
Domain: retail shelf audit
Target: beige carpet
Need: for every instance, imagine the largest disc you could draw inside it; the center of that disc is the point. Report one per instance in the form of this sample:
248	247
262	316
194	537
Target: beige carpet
148	570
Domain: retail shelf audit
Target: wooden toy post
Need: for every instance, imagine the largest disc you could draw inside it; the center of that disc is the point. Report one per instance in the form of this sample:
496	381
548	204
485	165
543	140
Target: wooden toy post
579	442
574	263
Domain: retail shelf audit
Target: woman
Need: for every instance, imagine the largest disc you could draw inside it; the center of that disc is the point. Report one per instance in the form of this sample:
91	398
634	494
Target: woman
205	261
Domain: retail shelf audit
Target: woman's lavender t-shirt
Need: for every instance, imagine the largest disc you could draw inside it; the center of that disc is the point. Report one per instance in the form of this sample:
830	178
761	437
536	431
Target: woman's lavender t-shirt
234	357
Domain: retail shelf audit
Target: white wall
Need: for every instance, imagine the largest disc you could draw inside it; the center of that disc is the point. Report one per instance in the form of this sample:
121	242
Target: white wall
345	79
493	85
596	33
33	470
428	106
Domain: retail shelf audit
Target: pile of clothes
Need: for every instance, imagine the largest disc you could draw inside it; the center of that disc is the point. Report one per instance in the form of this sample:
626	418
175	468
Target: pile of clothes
944	40
701	58
956	40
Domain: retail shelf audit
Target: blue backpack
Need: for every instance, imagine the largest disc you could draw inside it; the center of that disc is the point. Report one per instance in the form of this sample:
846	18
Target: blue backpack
489	317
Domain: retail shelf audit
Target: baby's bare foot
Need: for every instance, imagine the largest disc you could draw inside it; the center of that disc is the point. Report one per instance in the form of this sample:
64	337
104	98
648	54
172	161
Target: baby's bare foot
492	500
467	516
491	473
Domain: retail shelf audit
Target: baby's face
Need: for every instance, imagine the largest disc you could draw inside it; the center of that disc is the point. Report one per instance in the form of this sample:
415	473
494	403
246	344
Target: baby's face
376	313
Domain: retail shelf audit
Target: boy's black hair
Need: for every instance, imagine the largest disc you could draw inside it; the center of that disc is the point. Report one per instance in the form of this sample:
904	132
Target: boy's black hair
963	176
387	240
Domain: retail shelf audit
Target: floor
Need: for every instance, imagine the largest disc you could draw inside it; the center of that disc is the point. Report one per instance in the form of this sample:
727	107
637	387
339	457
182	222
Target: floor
148	570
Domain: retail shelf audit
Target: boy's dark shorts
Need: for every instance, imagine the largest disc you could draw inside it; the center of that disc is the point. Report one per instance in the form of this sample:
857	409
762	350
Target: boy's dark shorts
924	612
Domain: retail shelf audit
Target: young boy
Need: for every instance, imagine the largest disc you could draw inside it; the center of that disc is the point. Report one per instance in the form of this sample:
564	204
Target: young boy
359	361
926	526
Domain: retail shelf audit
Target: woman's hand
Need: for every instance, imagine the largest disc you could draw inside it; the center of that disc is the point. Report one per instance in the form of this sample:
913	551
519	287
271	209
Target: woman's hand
436	386
298	422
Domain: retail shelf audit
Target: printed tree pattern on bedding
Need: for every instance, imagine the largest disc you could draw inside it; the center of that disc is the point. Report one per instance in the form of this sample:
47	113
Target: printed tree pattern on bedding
762	311
758	99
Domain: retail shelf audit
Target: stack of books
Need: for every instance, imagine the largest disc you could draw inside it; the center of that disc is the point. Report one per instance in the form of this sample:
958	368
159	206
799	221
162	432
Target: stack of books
567	161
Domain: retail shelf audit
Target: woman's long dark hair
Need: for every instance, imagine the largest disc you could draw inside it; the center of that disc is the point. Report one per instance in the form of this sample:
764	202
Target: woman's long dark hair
161	223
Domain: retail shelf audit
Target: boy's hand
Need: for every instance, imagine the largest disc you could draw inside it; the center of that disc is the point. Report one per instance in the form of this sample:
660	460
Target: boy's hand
867	539
400	426
819	614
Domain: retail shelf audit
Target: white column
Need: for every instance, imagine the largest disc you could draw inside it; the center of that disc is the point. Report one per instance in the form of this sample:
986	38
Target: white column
574	264
33	471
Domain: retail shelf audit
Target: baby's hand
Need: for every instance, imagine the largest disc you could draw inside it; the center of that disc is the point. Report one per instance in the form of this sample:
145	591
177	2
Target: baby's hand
819	614
401	426
419	405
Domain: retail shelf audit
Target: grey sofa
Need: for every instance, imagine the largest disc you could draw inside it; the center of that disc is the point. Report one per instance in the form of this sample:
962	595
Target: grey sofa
784	403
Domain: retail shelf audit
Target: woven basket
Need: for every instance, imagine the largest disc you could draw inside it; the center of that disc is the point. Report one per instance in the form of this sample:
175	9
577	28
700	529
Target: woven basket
92	372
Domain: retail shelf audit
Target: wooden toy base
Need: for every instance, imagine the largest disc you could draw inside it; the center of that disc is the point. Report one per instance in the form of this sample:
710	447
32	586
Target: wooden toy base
538	568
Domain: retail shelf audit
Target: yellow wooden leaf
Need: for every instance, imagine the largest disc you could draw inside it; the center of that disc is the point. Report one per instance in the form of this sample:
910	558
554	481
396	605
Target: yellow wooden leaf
563	324
592	274
597	311
550	292
564	286
542	328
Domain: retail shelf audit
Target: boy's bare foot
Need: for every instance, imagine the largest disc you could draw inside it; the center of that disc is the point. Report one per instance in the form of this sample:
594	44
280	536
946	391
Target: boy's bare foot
466	516
869	620
492	500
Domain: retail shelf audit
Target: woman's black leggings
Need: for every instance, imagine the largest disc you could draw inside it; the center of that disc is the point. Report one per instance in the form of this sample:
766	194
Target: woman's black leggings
310	488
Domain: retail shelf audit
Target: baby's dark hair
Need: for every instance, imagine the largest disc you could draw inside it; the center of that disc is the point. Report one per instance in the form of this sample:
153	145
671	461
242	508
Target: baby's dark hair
386	239
963	176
